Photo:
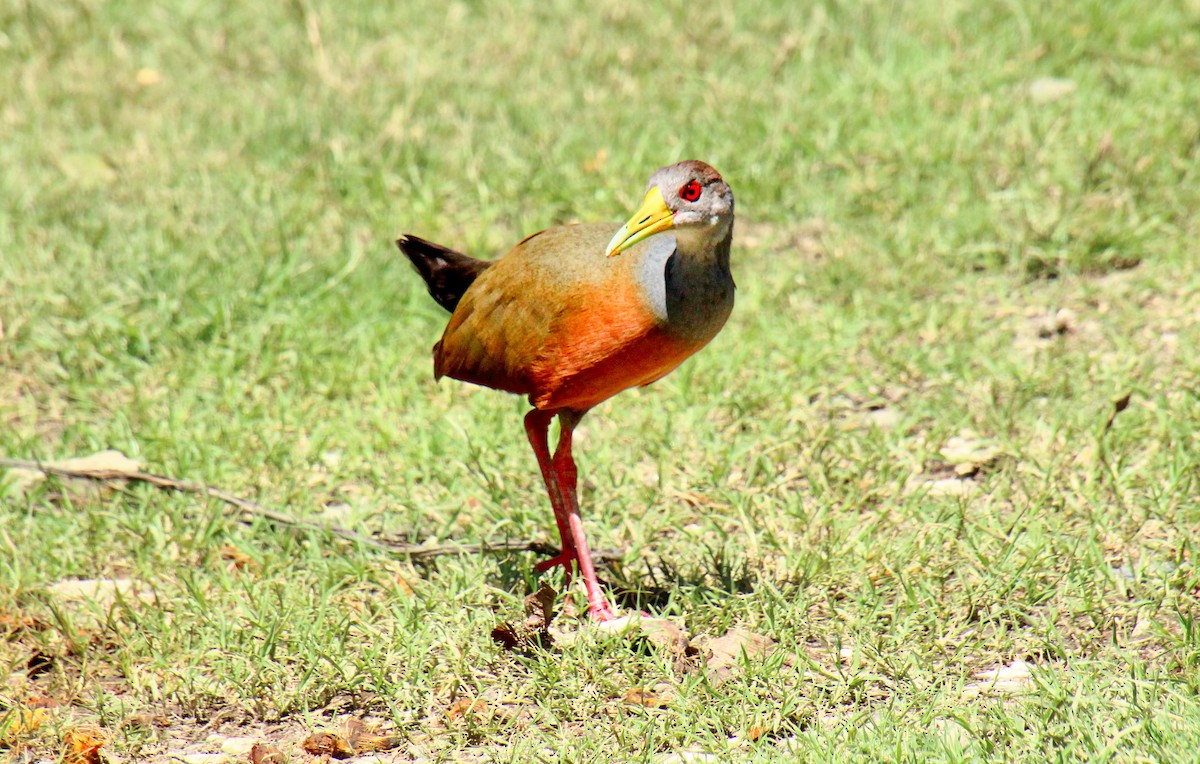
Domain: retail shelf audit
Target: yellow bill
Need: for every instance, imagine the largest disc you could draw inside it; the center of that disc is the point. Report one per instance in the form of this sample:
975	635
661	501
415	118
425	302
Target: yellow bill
652	217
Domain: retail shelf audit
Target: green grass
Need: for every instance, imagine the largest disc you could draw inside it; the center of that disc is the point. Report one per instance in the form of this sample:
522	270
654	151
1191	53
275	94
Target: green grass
197	204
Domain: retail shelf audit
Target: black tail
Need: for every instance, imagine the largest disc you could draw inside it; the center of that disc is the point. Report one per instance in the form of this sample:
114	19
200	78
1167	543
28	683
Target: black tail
447	273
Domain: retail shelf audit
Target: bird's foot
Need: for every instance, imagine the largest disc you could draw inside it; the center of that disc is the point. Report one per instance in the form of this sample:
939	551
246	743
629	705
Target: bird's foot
564	558
601	611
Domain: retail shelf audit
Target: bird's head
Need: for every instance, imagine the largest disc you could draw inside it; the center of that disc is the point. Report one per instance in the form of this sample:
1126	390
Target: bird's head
690	199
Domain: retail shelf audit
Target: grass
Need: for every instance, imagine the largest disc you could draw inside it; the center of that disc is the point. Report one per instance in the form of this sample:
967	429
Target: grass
196	213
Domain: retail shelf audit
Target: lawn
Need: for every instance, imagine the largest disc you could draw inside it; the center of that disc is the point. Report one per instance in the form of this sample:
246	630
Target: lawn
932	495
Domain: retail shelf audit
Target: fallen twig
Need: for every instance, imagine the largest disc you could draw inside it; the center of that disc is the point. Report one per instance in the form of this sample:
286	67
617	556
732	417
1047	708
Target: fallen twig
250	509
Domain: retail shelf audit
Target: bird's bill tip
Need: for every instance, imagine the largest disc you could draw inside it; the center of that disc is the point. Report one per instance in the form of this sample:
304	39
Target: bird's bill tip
652	217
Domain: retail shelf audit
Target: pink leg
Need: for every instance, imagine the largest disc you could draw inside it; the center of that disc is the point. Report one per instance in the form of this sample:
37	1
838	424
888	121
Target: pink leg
564	470
537	426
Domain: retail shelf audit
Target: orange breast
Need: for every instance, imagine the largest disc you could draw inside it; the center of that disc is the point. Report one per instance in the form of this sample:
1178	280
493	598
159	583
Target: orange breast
609	342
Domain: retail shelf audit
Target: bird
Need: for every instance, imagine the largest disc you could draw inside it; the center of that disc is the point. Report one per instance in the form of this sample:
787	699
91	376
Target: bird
573	315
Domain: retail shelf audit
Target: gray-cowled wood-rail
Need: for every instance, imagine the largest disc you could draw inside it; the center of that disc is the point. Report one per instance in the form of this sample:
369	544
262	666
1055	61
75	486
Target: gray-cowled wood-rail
574	315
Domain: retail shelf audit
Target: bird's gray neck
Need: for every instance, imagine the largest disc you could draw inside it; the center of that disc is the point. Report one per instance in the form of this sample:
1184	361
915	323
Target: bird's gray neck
690	288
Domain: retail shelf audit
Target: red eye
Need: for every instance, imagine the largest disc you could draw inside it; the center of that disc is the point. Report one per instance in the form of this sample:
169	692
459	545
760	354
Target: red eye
691	191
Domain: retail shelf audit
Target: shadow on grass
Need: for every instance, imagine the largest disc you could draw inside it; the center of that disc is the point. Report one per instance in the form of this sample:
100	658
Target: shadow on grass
649	583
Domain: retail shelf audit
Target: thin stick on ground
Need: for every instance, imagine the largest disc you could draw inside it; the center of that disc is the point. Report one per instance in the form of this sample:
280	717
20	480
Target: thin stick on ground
251	509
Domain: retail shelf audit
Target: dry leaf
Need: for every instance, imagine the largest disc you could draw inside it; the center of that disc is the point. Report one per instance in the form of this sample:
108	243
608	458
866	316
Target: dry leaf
757	731
464	706
18	481
235	745
950	487
265	753
237	559
666	634
39	663
352	728
82	745
104	592
508	636
399	577
86	170
1047	89
1015	671
534	630
539	607
147	720
659	631
968	448
327	744
692	498
368	742
11	625
363	738
1061	323
20	723
42	701
102	464
724	654
884	418
645	698
1013	679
